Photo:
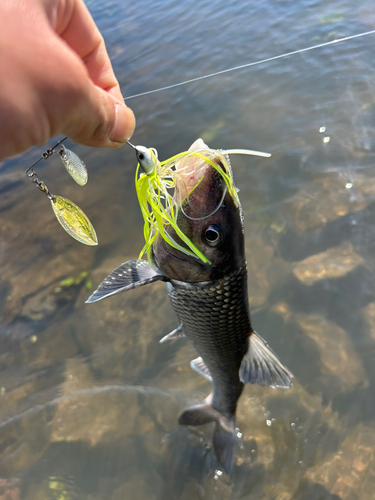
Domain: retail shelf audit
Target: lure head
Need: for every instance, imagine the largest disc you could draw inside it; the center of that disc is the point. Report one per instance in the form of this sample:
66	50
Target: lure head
209	216
147	158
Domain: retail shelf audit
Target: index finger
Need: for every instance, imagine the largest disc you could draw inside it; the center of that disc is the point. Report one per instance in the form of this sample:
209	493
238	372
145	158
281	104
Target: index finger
75	25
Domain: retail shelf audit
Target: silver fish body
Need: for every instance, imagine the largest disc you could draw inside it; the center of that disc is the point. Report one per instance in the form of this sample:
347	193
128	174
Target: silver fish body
211	304
214	315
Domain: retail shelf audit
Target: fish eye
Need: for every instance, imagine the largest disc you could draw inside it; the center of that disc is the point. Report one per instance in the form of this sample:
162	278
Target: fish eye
212	235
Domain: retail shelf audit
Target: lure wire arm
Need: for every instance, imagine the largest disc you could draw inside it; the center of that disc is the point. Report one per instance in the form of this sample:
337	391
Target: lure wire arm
33	176
40	184
44	156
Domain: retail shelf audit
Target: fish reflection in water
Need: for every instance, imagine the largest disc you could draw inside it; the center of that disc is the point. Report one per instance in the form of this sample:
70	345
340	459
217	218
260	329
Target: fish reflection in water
210	299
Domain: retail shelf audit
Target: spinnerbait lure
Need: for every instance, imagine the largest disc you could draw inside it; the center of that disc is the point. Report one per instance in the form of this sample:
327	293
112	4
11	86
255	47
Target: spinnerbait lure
71	217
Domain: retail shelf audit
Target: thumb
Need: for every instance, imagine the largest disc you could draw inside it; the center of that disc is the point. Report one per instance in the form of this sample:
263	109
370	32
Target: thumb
99	119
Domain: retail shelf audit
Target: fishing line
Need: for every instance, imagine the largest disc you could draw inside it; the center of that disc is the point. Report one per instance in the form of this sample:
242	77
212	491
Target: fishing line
254	63
74	220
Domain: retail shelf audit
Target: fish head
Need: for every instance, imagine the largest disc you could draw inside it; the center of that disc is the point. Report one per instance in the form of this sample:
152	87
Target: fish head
209	216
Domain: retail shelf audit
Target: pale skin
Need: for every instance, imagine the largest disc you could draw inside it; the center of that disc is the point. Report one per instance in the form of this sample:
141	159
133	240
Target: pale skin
56	78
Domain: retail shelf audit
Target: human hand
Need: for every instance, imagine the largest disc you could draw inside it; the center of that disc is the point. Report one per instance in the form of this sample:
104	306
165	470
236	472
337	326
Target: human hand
56	77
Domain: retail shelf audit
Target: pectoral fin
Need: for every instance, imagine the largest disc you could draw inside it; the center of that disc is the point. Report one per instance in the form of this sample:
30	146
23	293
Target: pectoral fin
198	366
129	275
175	334
260	365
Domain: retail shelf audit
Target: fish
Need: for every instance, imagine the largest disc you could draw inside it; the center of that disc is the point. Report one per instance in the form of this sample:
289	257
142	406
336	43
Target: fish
210	300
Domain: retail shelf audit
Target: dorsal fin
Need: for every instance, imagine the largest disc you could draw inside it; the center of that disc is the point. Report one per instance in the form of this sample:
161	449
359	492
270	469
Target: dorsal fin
129	275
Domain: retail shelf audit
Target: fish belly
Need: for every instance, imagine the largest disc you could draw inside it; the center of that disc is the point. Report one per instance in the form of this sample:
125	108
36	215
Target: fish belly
215	316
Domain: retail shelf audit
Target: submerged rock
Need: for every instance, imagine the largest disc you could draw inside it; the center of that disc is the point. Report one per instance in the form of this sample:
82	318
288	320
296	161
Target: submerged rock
95	416
329	197
337	355
32	294
265	268
334	263
368	313
350	471
329	352
10	489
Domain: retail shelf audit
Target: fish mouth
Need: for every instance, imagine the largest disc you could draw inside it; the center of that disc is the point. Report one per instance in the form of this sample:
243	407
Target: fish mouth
200	187
203	196
207	195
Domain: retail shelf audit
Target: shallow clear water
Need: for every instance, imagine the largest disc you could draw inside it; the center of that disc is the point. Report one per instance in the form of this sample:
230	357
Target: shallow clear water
90	399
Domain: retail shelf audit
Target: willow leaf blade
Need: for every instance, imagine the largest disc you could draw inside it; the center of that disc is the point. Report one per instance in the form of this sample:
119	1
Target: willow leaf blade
74	221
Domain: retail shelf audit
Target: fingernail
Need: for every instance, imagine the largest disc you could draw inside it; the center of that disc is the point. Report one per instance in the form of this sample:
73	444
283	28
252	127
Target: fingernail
124	124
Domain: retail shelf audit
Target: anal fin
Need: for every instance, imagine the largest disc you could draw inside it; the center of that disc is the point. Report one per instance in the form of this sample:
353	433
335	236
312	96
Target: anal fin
175	334
260	365
199	366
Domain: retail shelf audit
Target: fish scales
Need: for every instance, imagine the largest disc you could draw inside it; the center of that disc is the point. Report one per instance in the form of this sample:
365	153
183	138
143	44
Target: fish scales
210	300
215	317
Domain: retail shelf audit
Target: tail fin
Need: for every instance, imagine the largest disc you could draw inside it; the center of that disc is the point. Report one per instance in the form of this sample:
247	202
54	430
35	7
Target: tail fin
224	433
224	441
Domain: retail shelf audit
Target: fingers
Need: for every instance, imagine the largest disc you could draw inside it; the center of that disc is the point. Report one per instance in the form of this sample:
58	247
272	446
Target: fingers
99	119
56	77
106	115
80	32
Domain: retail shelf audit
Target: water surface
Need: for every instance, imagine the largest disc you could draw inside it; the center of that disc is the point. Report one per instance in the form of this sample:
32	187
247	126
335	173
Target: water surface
90	399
